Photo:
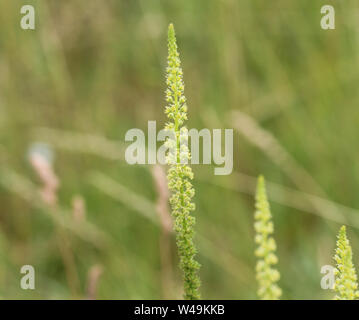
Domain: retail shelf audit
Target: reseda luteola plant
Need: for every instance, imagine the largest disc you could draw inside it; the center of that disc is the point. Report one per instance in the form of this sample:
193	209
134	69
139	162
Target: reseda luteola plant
180	174
346	284
267	276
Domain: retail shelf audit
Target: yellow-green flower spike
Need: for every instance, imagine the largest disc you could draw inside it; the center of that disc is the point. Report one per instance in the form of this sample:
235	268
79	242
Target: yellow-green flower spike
346	284
267	275
179	174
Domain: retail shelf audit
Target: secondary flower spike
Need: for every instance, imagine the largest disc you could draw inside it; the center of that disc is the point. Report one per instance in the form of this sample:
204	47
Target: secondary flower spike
267	276
346	283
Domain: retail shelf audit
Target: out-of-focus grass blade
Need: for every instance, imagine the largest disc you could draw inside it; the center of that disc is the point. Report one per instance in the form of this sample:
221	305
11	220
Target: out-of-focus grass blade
24	188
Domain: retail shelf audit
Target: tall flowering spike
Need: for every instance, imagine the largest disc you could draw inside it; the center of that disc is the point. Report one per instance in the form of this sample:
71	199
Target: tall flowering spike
346	284
267	276
179	173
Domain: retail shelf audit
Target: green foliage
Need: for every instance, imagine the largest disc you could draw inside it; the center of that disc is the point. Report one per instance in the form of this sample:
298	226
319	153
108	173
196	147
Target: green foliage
179	174
267	276
346	284
100	78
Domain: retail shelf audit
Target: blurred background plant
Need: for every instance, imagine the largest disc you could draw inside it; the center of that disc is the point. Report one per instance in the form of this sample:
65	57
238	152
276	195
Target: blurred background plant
94	69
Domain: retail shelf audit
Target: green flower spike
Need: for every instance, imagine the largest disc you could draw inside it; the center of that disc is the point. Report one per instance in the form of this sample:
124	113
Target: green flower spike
267	276
179	174
346	284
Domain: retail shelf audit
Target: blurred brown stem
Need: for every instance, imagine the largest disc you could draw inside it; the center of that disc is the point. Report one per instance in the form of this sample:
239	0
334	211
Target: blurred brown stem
94	275
48	193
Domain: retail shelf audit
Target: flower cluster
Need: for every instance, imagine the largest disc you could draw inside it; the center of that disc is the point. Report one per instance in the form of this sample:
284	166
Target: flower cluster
346	284
179	174
267	276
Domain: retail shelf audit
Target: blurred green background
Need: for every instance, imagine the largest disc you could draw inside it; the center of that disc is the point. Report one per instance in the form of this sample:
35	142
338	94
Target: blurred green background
94	69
